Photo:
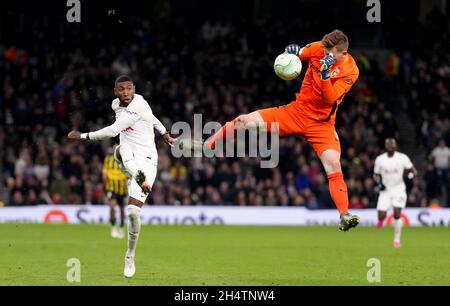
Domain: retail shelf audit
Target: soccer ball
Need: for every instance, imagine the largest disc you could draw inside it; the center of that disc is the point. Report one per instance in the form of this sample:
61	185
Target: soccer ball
287	66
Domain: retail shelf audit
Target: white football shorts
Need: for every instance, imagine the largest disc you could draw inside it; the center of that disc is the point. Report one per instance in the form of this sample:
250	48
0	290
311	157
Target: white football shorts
388	199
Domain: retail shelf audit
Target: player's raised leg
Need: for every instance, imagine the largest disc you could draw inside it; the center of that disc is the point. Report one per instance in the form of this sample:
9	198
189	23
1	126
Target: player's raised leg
127	162
398	223
338	189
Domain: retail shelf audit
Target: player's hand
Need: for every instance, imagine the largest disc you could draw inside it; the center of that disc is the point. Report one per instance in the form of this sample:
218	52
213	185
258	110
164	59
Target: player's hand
379	187
74	135
327	62
410	176
293	49
169	139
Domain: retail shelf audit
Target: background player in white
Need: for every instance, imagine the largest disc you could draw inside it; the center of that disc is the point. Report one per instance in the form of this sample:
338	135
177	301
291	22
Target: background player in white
136	155
390	169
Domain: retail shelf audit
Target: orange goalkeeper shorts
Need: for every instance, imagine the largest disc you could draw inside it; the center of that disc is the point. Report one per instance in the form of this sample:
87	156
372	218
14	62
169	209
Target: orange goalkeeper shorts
321	135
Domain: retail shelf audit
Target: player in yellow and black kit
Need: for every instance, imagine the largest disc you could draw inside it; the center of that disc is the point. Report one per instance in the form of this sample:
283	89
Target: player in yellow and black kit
116	190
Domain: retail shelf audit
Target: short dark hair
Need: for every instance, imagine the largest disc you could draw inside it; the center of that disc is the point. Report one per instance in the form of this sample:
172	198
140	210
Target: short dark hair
122	78
337	39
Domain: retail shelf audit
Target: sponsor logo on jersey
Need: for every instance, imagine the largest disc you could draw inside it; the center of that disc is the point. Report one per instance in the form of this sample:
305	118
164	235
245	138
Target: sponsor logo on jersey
314	68
130	112
128	129
391	171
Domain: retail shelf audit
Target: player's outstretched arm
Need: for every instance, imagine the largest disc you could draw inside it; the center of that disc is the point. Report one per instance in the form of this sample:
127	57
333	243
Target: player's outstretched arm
305	52
128	119
293	49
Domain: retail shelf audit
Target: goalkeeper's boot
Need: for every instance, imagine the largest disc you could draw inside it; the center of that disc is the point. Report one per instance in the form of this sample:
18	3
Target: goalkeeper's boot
195	145
140	180
348	221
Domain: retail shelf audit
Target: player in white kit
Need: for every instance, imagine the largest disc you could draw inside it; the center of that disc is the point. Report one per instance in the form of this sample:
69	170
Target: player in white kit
390	169
136	155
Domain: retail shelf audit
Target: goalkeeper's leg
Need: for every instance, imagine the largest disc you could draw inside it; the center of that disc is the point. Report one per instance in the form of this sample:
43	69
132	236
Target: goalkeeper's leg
228	131
338	189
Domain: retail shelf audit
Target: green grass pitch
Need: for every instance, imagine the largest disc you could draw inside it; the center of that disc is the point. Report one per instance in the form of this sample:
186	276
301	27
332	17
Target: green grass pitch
34	254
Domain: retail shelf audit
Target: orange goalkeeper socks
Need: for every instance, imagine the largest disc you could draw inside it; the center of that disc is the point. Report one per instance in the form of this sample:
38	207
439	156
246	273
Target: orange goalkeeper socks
225	132
338	191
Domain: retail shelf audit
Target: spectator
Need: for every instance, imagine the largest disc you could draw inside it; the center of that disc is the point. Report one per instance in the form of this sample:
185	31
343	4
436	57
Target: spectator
43	95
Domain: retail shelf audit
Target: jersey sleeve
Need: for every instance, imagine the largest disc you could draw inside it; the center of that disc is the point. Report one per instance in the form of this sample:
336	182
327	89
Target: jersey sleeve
309	50
129	117
332	92
156	122
407	163
377	167
158	125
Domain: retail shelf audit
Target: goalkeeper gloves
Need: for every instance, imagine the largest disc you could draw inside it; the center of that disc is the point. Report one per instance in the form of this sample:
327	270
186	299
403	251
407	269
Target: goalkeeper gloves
327	62
293	49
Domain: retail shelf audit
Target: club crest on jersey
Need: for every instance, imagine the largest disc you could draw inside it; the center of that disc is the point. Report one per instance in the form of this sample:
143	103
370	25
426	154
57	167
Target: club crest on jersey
335	72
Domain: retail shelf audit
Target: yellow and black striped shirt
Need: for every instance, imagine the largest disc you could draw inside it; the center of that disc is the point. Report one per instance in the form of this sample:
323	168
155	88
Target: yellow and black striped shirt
116	181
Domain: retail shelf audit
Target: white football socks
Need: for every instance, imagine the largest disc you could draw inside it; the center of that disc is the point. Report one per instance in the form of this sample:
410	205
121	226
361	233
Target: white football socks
134	226
397	229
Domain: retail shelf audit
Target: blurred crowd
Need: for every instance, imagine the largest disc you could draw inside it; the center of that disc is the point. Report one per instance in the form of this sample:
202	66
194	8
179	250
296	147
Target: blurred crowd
54	83
422	75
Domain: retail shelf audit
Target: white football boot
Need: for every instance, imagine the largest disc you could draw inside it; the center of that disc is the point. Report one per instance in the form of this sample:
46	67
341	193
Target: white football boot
130	269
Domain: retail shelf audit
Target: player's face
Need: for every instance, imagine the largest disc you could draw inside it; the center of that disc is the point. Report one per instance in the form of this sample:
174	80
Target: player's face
124	91
338	55
390	145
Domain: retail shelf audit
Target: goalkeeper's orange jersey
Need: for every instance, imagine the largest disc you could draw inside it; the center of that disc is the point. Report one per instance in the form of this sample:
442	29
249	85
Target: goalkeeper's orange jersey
319	99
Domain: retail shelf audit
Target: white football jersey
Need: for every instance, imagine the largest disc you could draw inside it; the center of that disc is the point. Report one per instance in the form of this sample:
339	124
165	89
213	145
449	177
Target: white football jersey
136	124
391	170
